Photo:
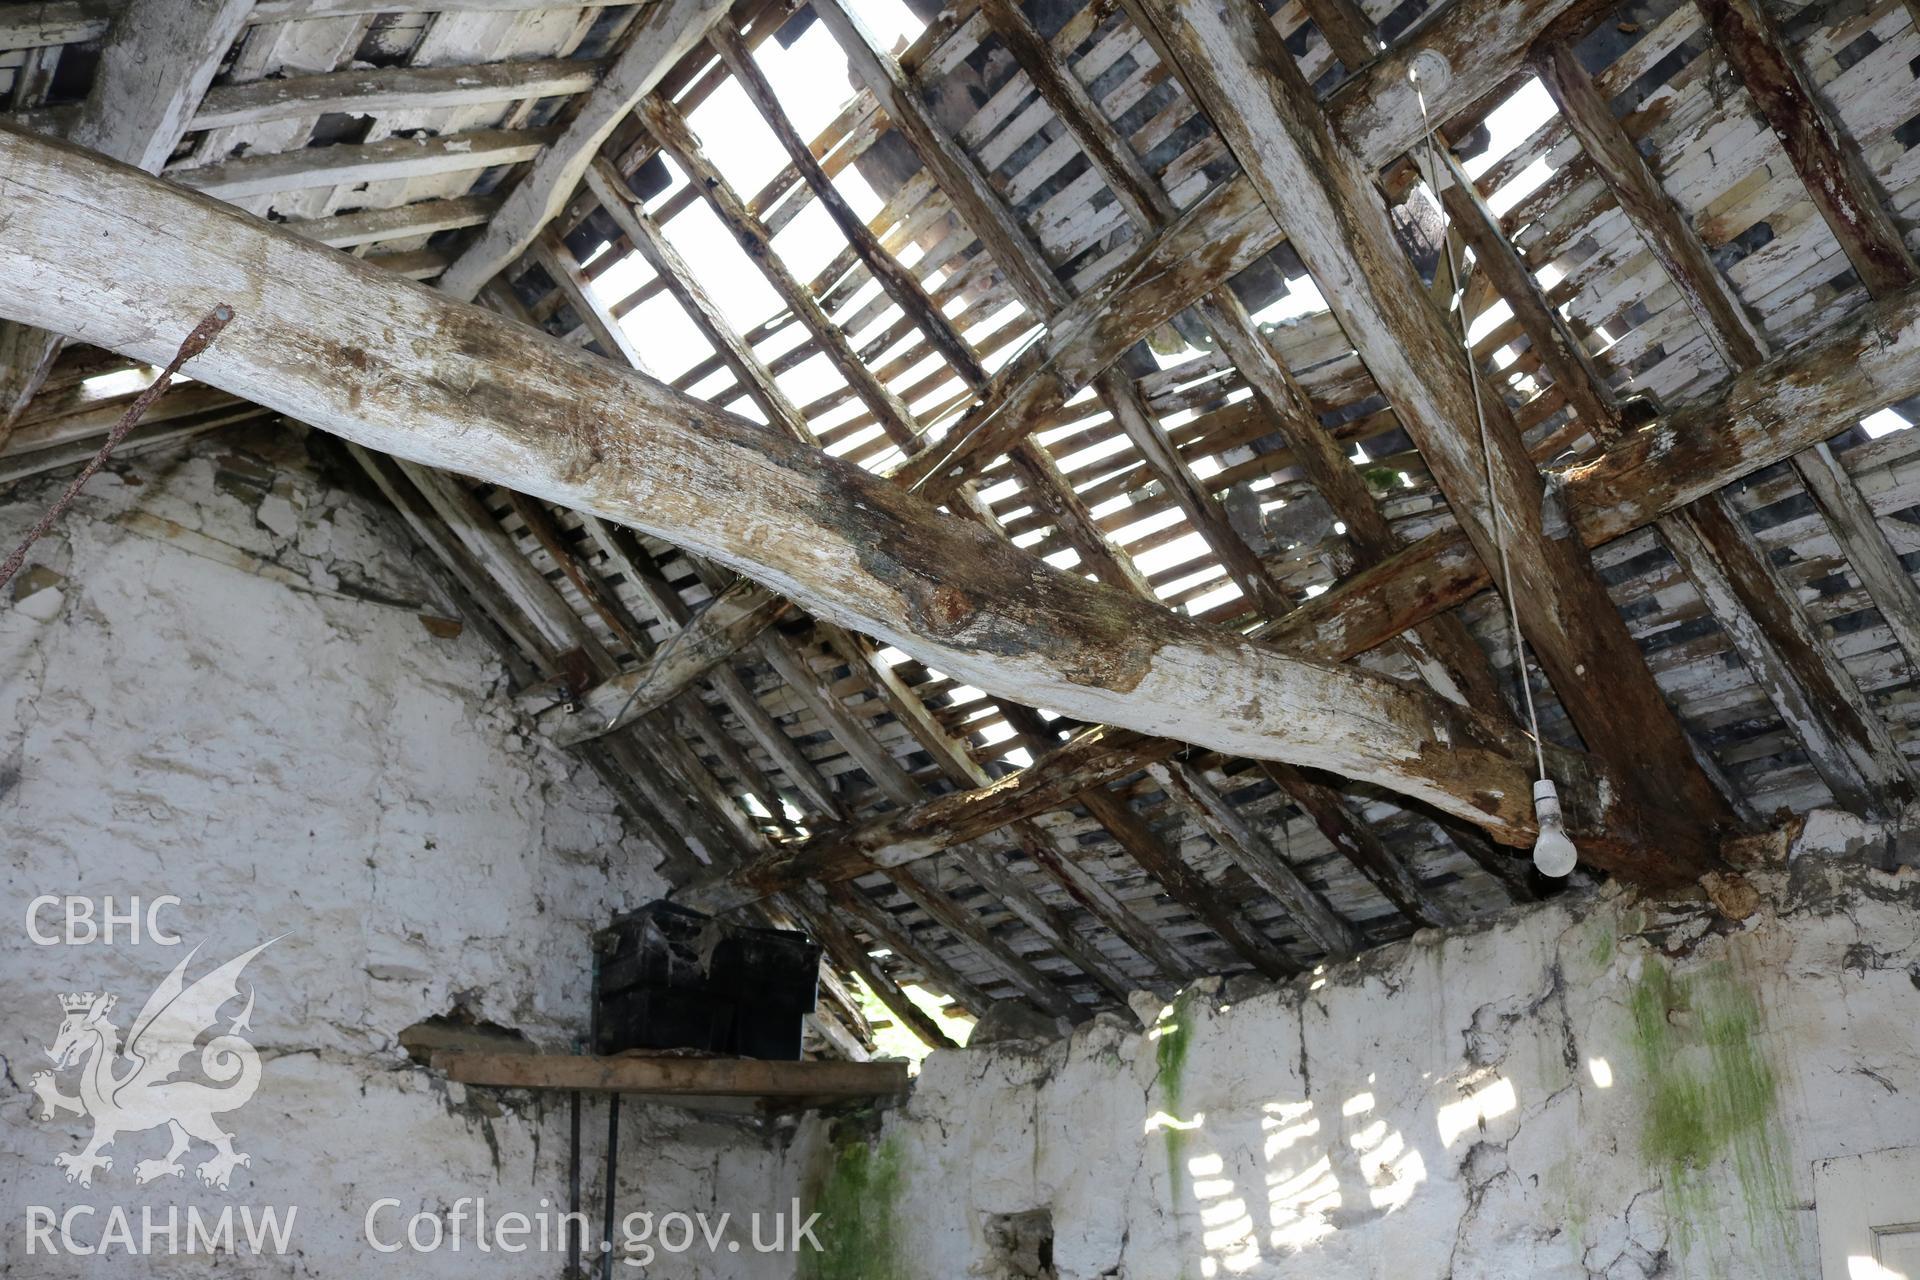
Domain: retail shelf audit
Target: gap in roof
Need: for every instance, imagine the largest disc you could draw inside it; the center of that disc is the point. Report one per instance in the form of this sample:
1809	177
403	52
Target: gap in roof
1510	124
104	386
890	20
1885	422
1302	298
812	84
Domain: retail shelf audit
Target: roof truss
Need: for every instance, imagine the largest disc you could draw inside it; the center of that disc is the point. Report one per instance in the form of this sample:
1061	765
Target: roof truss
784	760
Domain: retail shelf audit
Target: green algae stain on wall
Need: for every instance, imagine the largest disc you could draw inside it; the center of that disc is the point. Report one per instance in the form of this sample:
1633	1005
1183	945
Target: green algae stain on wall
1711	1100
1175	1040
858	1202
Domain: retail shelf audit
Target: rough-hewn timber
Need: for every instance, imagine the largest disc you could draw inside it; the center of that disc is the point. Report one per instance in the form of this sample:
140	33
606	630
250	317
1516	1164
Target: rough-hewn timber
463	389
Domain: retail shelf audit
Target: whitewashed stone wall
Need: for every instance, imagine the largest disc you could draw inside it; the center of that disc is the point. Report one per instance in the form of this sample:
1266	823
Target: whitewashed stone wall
219	686
1591	1088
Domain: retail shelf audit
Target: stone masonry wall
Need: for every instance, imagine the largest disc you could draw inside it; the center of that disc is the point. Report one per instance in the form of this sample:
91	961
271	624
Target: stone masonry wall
218	685
1591	1088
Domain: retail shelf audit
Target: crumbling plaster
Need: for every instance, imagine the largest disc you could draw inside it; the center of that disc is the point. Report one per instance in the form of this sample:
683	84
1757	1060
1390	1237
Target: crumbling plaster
218	685
1597	1087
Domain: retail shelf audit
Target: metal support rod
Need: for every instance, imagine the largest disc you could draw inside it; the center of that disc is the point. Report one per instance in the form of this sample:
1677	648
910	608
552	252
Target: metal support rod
613	1152
573	1179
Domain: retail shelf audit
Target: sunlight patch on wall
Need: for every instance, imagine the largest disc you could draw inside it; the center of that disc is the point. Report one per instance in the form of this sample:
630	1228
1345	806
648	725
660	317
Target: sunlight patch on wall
1456	1119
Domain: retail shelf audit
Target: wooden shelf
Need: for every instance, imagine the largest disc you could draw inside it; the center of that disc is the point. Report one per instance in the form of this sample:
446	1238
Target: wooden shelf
708	1083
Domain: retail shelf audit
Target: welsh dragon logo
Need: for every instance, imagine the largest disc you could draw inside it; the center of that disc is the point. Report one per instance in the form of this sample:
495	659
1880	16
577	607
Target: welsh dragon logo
149	1092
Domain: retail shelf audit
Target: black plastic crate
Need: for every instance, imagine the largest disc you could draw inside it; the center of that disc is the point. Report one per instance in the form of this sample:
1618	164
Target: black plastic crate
673	978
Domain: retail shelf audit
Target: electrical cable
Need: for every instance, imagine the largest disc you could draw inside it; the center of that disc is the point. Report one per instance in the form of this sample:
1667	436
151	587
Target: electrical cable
1458	310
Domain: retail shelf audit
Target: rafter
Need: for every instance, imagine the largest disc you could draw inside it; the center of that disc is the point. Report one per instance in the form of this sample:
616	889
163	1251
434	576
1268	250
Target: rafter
670	129
1462	672
1855	211
422	218
1041	478
365	91
875	759
1231	58
1847	743
508	595
1375	113
665	32
366	162
1459	668
441	382
1761	418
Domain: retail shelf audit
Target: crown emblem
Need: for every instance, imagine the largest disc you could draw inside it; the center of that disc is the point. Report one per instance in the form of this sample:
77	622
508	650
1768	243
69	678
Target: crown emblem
76	1001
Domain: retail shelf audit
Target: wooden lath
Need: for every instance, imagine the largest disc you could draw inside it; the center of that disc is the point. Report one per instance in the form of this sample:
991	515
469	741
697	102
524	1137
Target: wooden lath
864	246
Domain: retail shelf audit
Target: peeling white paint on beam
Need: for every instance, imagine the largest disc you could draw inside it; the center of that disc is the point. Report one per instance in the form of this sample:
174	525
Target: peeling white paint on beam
323	337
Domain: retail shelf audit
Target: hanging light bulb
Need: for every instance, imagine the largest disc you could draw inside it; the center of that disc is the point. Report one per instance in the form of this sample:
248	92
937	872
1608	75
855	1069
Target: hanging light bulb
1553	853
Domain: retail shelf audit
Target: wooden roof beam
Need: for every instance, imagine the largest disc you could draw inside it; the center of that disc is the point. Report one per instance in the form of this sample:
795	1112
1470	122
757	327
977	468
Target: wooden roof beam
1836	178
799	675
811	909
688	713
155	65
1040	291
1847	742
1344	25
1234	63
1374	112
670	130
461	388
422	218
1254	854
624	552
47	23
885	772
1763	618
900	283
529	609
1463	671
342	163
1763	416
1841	187
754	375
43	23
365	91
1051	855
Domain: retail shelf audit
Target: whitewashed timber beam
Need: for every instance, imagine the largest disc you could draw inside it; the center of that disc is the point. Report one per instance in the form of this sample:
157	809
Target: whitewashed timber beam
402	369
422	218
1236	66
666	32
44	23
39	26
367	92
346	163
